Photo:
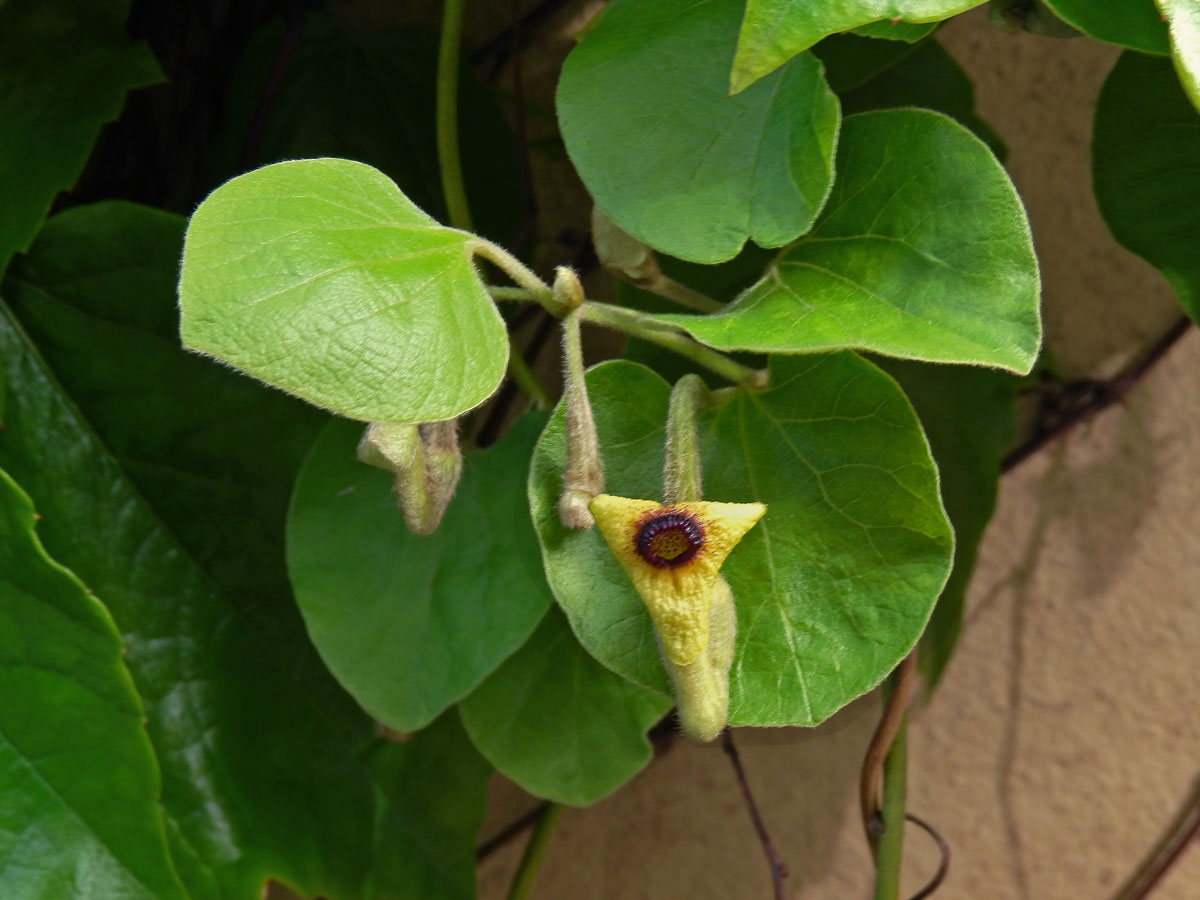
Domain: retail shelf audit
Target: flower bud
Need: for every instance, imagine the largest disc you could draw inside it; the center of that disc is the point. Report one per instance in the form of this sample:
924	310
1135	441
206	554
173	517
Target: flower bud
583	477
425	462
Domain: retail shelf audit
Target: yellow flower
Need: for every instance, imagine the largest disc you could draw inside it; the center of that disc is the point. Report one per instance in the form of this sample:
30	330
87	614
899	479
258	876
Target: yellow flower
673	555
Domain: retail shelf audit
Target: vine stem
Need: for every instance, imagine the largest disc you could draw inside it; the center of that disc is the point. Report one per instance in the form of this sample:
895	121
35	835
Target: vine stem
534	850
778	869
891	842
447	115
633	323
1183	831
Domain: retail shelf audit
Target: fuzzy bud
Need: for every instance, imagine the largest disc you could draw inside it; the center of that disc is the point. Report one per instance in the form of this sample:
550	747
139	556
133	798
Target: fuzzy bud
425	463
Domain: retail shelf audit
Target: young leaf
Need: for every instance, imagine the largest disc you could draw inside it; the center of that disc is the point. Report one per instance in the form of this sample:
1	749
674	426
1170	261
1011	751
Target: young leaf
836	582
1183	20
1135	24
77	773
1146	170
409	624
65	67
773	31
558	723
672	159
319	277
968	414
923	251
268	769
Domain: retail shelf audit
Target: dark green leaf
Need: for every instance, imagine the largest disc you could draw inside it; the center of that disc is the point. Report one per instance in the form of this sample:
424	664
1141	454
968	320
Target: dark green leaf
1135	24
369	96
928	77
268	769
1146	166
408	623
65	66
968	415
672	159
923	251
558	723
836	582
773	31
80	816
851	60
319	277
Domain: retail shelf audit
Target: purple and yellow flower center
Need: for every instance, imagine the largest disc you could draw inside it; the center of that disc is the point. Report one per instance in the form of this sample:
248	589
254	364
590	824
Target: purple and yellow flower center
669	539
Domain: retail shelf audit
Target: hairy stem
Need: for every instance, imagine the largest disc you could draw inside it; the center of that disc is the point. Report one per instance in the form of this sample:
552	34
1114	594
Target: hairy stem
534	850
531	287
633	323
447	115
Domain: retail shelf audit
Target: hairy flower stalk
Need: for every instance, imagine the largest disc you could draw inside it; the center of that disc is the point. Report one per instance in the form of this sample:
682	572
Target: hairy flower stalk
583	477
673	554
425	462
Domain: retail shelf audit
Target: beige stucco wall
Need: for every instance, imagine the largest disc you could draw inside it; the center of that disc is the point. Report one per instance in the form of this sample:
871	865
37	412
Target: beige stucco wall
1066	732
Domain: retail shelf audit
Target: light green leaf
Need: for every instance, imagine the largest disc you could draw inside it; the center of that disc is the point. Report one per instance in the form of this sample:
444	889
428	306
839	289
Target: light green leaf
268	769
773	31
1183	21
1135	24
410	624
923	251
836	582
968	414
1146	170
65	66
319	277
558	723
80	816
672	159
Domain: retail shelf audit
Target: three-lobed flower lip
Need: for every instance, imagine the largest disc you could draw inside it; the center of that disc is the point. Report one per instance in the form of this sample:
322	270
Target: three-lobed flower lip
673	555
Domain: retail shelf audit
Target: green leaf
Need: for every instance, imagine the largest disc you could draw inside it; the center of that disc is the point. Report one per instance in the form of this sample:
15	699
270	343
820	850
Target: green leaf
213	451
1135	24
968	414
319	277
80	816
836	582
669	156
1183	21
329	101
890	30
923	251
268	769
410	624
65	66
773	31
558	723
929	78
1146	170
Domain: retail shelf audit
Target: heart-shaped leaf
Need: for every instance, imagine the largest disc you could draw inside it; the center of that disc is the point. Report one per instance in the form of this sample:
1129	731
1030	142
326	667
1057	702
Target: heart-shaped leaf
1135	24
77	772
923	251
558	723
773	31
1146	170
319	277
835	583
408	623
644	109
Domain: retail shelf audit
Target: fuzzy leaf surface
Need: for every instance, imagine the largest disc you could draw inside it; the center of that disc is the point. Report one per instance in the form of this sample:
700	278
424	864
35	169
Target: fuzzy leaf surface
320	278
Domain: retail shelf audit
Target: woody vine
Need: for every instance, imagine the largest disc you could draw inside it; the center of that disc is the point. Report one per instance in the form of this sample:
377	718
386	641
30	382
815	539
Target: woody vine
750	517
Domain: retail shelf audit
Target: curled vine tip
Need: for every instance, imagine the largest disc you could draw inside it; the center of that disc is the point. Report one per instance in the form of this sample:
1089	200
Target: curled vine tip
673	555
